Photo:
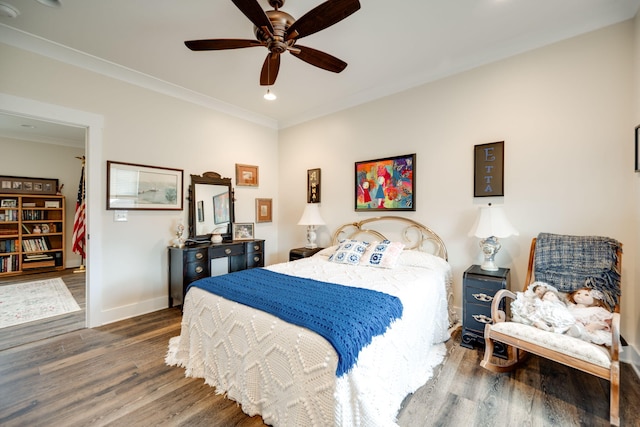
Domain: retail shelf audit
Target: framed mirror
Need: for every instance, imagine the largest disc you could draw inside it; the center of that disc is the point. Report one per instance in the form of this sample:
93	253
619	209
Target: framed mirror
211	208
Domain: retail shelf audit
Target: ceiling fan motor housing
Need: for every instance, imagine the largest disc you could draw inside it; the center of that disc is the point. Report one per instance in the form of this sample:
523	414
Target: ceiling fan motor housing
280	21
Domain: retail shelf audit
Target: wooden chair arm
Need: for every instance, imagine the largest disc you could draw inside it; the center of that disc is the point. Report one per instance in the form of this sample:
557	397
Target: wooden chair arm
496	314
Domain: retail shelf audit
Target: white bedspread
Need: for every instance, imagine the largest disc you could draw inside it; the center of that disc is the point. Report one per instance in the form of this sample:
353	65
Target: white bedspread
286	373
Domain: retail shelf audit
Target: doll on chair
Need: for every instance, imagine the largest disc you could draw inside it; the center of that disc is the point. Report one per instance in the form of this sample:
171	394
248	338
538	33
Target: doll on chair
592	317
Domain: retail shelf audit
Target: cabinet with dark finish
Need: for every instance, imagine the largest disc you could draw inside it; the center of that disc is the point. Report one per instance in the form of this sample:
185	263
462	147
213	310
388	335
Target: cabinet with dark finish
195	262
479	288
299	253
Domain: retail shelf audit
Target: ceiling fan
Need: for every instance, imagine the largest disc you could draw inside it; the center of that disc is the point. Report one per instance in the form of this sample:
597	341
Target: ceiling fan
279	32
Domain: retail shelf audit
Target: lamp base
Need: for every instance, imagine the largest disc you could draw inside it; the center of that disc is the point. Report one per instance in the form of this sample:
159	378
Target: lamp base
311	237
490	247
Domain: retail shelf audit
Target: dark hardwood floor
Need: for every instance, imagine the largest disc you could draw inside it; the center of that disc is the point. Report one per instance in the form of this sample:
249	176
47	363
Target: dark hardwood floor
115	375
52	326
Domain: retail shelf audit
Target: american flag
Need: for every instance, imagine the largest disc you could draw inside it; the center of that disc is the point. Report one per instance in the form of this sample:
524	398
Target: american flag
79	220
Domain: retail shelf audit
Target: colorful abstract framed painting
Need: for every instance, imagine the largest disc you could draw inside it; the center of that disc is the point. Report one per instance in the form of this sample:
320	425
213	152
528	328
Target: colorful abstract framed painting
386	184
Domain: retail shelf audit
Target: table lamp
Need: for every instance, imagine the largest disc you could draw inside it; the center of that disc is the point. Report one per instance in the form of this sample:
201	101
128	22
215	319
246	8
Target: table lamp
311	218
491	224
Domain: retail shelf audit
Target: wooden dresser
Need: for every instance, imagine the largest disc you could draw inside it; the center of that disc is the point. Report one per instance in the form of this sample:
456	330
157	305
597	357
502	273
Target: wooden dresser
209	259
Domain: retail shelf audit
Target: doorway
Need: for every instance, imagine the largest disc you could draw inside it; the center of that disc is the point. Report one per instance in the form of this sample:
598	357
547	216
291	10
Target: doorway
93	124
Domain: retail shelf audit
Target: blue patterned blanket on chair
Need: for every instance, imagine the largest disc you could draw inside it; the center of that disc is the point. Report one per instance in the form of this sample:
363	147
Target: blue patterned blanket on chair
573	262
345	316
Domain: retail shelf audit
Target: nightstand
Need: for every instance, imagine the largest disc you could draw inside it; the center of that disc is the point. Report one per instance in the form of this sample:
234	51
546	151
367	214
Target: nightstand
479	287
299	253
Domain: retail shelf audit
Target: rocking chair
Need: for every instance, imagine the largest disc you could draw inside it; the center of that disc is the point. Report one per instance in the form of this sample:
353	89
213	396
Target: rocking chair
568	263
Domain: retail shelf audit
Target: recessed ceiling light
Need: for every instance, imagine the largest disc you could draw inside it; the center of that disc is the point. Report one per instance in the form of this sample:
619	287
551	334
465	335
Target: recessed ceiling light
50	3
8	11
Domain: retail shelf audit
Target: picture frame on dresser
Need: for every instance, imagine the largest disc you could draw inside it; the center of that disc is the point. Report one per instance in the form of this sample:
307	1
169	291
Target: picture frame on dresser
243	231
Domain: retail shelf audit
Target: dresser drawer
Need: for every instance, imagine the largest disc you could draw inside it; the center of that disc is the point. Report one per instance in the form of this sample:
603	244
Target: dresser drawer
254	247
226	251
196	255
196	270
254	260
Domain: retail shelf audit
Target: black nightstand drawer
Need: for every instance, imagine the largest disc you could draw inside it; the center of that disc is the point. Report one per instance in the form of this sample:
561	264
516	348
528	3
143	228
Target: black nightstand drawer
479	289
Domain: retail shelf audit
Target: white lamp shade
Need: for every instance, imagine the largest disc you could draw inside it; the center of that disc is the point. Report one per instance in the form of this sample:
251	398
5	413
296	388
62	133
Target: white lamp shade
492	221
311	215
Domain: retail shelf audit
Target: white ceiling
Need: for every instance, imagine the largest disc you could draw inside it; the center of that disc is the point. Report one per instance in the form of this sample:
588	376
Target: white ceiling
390	46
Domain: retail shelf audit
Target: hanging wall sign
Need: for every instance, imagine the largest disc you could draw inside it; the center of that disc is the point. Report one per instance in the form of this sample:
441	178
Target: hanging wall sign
488	177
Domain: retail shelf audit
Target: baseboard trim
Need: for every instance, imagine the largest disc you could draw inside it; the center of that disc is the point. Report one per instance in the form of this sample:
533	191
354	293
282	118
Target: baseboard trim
630	355
133	310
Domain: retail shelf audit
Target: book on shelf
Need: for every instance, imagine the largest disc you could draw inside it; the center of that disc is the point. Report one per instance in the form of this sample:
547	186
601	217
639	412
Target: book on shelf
28	204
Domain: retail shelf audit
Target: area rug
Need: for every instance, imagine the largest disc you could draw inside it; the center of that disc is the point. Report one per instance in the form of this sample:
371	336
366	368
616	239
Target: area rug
29	301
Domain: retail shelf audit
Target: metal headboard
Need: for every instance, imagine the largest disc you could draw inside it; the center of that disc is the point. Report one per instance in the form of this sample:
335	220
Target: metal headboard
413	234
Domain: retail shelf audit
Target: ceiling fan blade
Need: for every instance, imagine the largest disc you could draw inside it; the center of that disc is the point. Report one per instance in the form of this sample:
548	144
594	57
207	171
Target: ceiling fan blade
319	59
321	17
220	44
270	69
255	13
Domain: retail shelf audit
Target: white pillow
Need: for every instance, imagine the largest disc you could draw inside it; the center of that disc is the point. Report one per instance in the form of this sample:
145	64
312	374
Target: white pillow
349	252
414	258
327	252
383	254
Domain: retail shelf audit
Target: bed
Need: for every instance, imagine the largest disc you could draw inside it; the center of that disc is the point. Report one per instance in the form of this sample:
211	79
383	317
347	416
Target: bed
292	376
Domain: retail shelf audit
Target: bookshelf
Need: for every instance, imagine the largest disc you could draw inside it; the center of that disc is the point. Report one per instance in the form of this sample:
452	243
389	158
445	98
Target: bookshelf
32	233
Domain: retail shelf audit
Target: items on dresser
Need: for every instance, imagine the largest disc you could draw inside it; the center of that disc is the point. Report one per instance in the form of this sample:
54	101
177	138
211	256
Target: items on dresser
479	288
191	263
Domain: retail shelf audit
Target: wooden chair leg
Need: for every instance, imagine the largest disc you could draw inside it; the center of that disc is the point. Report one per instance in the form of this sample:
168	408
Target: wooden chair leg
614	406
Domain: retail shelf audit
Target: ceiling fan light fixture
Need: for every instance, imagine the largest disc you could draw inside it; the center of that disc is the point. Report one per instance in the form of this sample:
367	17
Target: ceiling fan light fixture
8	10
50	3
270	96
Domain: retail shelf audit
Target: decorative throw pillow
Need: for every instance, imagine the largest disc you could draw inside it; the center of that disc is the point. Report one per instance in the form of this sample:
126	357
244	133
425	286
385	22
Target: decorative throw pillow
349	252
383	254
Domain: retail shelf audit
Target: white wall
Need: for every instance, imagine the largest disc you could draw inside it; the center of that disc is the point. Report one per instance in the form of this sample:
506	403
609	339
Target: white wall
145	127
564	112
24	158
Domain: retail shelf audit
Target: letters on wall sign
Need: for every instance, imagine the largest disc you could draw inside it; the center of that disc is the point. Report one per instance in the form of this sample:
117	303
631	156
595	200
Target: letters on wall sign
488	178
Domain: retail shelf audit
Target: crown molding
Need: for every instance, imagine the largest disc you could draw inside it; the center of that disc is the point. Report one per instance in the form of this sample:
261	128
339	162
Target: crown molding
32	43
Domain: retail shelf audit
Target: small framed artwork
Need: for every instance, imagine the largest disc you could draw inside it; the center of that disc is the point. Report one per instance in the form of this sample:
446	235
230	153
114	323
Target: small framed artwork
263	210
247	175
242	231
52	204
138	187
488	172
638	148
8	203
200	210
386	184
313	186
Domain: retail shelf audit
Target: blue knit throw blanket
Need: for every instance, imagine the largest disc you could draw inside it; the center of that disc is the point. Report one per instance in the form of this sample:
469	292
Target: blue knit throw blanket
345	316
573	262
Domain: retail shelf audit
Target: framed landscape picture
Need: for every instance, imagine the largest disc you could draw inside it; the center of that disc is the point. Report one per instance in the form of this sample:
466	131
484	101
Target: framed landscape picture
138	187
